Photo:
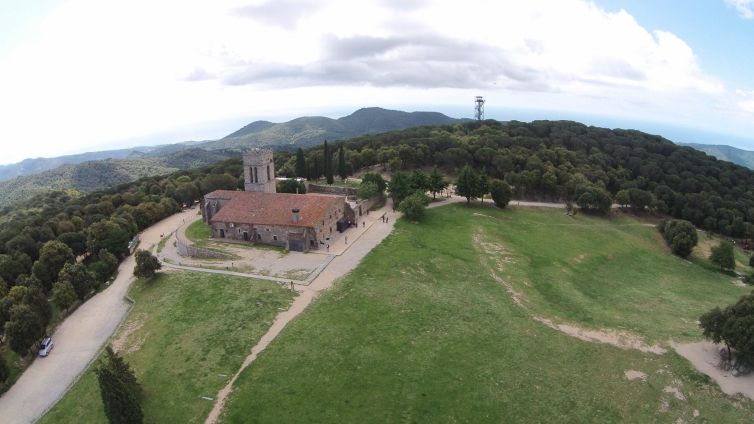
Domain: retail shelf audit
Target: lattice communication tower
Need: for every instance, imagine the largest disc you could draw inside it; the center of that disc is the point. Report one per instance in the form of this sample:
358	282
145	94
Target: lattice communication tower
479	108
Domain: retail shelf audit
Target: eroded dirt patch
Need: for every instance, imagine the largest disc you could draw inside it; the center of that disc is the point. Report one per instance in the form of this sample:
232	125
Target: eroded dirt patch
131	327
635	375
621	339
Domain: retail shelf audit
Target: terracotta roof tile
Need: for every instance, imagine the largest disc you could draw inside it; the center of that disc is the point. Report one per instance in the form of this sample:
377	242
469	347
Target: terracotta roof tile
271	208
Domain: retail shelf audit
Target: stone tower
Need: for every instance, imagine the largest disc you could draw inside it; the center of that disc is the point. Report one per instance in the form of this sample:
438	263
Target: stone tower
259	171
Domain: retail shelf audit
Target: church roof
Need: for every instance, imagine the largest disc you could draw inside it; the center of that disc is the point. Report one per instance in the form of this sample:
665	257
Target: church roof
259	208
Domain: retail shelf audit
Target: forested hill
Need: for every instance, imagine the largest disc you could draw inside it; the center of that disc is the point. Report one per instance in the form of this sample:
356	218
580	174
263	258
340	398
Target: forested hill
562	160
729	153
101	174
313	130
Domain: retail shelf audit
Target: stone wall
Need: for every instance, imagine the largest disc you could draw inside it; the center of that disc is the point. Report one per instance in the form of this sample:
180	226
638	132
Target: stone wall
197	252
327	189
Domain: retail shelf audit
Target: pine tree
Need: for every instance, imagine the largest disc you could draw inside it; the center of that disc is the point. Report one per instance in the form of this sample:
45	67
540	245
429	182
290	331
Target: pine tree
342	172
468	184
300	163
437	183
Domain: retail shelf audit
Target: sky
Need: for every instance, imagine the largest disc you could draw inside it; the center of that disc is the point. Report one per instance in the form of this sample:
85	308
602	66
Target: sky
84	75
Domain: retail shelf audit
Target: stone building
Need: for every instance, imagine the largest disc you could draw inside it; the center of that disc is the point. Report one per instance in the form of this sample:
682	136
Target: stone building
298	222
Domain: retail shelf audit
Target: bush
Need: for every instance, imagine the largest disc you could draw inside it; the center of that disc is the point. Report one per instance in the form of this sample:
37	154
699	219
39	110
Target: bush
413	206
501	193
680	235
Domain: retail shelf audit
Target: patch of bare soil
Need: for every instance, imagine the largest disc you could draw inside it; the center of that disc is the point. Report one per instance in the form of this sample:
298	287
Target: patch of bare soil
498	252
635	375
131	327
705	358
621	339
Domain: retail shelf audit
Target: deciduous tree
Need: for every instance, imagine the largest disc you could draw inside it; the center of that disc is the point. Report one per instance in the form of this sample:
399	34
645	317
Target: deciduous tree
63	295
53	255
23	329
146	264
722	256
79	277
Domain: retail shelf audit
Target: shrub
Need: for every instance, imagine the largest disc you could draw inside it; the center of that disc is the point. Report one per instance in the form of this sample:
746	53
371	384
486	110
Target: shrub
413	206
501	193
680	235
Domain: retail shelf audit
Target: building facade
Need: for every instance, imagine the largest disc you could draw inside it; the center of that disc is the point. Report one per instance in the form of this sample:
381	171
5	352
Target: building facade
297	222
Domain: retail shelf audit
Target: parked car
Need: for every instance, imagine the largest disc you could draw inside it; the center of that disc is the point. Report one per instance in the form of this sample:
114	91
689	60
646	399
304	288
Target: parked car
45	346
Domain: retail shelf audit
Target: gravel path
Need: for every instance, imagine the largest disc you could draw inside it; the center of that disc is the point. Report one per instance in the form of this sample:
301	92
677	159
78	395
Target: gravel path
77	340
340	266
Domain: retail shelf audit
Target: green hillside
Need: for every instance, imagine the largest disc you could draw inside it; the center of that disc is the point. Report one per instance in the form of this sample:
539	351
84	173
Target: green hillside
84	177
439	324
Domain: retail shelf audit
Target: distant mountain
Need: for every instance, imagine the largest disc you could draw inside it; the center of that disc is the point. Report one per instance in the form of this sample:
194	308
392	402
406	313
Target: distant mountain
83	177
729	153
88	172
312	130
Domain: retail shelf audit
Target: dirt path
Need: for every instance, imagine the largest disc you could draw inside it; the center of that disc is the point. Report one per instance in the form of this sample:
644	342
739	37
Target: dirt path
704	357
339	267
77	340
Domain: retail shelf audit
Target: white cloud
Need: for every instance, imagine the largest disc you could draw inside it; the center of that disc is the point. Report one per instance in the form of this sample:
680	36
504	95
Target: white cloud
99	72
743	7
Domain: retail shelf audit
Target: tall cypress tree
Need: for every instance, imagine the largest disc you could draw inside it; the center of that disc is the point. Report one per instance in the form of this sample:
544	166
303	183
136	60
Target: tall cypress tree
300	163
328	165
342	163
119	390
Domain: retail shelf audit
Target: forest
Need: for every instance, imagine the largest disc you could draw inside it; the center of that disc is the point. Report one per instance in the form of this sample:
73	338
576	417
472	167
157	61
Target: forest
59	248
563	160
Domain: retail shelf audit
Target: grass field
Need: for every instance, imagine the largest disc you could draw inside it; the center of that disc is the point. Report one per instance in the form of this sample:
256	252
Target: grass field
186	336
422	332
703	249
198	232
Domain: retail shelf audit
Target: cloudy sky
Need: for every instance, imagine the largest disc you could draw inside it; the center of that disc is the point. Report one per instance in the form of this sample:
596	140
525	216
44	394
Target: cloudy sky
78	75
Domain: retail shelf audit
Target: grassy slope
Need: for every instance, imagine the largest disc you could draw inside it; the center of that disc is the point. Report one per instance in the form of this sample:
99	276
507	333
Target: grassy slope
419	332
613	273
199	232
195	327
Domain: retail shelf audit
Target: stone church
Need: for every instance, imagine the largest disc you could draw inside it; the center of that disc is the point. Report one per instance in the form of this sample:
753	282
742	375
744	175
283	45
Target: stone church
298	222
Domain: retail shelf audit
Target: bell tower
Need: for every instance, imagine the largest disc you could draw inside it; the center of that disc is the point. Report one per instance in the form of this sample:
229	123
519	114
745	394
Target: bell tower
259	171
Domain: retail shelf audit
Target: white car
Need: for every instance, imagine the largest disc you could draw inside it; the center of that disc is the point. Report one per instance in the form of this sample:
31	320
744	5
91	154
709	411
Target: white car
45	346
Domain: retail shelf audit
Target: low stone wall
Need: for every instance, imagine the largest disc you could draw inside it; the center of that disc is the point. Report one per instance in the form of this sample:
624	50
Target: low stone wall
197	252
326	189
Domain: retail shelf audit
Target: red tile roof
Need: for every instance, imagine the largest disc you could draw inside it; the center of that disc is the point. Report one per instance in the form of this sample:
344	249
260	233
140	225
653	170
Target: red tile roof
272	208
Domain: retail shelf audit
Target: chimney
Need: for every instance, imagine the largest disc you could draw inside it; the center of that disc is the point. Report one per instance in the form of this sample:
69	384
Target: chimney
296	215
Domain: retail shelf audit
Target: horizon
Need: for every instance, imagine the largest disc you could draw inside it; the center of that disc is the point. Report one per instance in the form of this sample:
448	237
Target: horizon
77	79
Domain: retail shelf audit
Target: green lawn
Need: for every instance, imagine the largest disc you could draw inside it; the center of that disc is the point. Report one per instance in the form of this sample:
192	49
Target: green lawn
421	332
189	334
198	232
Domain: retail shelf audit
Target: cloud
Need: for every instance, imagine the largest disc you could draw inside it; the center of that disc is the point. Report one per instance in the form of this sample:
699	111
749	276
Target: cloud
520	46
283	13
743	7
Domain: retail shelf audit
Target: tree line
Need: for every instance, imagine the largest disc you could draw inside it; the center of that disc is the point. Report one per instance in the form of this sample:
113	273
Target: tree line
561	161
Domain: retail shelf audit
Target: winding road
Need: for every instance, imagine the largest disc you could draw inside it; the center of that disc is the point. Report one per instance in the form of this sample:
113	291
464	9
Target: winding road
78	340
80	337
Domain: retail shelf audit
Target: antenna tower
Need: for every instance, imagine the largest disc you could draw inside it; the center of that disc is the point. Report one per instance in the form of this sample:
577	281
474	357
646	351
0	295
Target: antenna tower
479	108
